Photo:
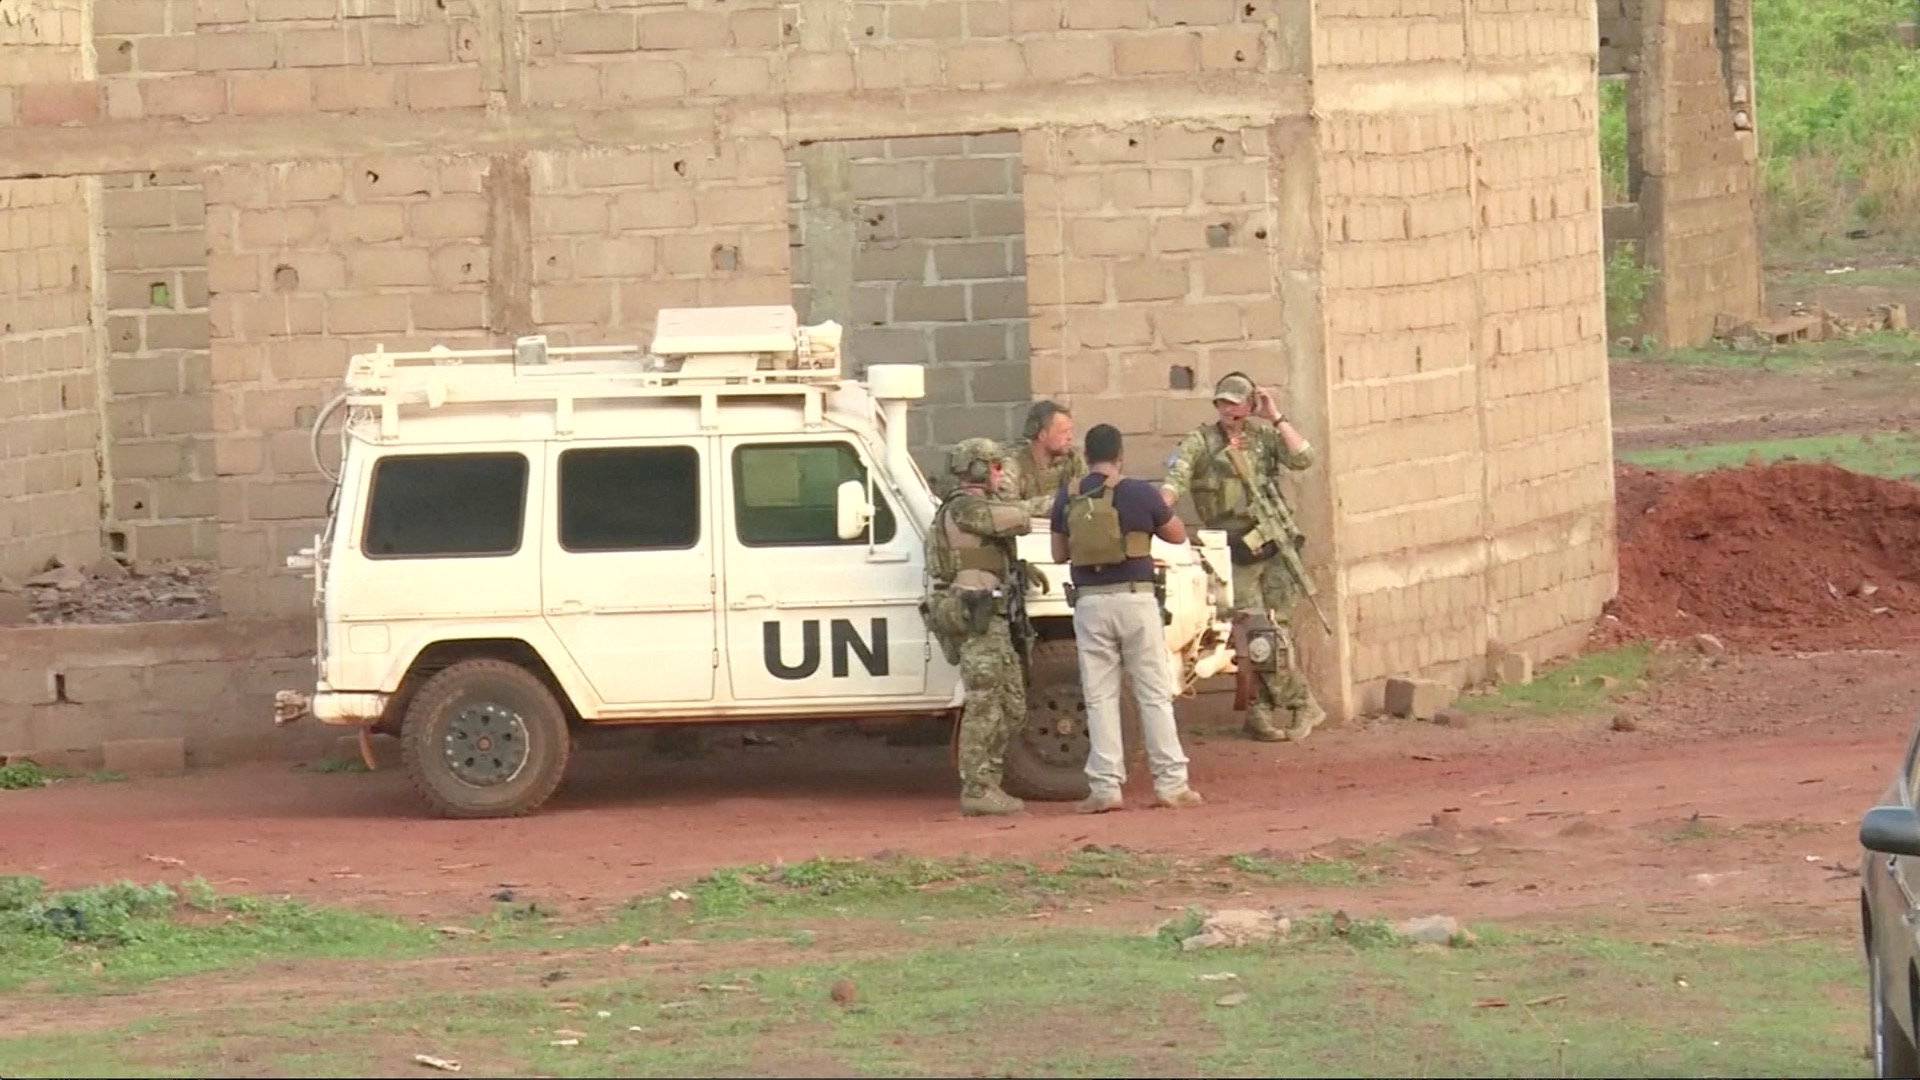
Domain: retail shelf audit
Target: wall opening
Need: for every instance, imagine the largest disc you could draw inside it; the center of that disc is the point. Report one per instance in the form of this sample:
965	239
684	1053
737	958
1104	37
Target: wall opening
918	247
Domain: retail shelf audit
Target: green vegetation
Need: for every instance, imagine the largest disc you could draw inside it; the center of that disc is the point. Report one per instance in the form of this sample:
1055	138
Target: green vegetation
1339	999
1895	455
1814	357
21	775
124	933
1628	281
1578	686
1613	142
1839	100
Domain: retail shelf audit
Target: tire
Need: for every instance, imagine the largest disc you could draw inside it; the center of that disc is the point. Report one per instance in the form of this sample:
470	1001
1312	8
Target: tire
512	729
1047	756
1893	1050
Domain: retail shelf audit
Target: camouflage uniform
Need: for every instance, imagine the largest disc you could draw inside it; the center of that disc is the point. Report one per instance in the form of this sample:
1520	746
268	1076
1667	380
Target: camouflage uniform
1034	486
969	548
1200	465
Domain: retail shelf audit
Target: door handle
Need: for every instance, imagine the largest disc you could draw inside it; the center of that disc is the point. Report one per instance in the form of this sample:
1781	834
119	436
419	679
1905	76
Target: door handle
568	607
748	603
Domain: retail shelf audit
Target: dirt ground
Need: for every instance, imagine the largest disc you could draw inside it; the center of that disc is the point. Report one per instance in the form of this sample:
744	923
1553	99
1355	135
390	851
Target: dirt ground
1734	795
1567	815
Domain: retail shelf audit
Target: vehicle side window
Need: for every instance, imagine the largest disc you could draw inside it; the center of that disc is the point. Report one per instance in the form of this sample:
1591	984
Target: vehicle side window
630	498
444	505
784	494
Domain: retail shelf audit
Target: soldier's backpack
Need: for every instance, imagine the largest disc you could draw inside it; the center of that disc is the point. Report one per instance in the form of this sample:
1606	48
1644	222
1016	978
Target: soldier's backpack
1094	536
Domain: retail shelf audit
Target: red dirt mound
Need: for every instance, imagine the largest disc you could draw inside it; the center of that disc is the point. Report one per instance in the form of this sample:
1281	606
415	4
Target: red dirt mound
1787	554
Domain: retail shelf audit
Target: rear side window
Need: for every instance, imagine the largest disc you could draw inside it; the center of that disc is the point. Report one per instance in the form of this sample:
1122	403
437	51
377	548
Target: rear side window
427	506
784	494
630	498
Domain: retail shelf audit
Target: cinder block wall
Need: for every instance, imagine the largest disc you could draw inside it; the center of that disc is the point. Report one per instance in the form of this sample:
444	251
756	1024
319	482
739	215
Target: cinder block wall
1702	181
918	247
159	409
1465	335
1389	214
49	392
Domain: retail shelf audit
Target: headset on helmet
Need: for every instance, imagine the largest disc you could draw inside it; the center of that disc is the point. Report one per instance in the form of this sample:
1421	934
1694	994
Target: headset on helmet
971	459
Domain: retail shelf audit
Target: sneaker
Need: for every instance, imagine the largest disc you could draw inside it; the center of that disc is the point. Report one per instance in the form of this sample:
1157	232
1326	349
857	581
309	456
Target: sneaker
1099	803
1179	800
991	802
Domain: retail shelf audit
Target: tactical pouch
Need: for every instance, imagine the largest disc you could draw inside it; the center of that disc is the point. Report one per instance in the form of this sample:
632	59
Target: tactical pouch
1242	555
946	622
977	607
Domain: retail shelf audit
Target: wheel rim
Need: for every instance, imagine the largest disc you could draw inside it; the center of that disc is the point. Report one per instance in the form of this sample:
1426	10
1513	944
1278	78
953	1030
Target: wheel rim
1056	727
486	744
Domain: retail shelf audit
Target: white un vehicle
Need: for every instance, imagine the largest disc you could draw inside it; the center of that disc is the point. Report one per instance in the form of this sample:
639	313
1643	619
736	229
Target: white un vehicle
524	543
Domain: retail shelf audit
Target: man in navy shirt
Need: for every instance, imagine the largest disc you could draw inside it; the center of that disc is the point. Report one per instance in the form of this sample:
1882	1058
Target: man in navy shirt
1116	620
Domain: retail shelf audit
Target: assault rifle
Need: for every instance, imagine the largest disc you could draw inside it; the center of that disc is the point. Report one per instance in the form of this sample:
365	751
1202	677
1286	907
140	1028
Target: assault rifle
1273	527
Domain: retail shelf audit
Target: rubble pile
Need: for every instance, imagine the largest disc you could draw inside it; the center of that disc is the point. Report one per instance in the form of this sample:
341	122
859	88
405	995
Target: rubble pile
109	591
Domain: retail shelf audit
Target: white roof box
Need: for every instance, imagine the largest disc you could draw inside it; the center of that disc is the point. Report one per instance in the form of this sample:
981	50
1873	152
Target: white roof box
733	330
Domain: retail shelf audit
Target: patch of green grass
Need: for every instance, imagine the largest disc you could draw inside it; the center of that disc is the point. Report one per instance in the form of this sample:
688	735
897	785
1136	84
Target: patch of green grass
1580	685
1308	870
1080	1002
114	935
336	765
1895	455
25	775
1869	277
1880	347
1628	281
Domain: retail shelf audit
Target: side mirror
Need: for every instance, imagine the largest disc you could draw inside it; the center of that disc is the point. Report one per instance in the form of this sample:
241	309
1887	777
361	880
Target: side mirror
1891	830
850	510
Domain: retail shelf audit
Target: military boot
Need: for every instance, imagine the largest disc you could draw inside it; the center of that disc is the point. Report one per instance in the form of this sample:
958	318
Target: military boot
1260	725
1306	717
989	802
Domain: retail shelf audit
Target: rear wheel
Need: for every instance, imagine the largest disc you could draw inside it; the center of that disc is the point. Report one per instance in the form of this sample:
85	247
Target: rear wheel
485	738
1047	756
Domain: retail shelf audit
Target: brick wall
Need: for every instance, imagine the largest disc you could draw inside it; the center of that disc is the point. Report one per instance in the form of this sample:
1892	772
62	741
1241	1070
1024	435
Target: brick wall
918	247
1150	267
311	262
49	393
1465	341
159	409
618	235
1701	181
67	689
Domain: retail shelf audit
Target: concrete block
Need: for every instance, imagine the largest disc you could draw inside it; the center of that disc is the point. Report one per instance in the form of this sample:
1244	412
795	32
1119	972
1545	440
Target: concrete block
145	757
1512	668
1418	699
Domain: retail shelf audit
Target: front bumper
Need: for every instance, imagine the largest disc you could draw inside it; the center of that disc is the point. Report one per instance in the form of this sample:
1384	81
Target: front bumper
330	707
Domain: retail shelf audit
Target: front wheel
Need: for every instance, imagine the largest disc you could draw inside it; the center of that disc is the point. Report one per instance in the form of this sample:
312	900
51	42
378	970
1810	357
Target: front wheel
1047	756
485	738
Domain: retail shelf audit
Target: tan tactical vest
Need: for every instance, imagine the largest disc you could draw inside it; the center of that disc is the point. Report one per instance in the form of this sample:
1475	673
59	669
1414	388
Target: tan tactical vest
965	560
1094	536
1219	497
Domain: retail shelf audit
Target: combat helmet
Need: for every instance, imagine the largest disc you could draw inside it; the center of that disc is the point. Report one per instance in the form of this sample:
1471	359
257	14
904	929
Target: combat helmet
971	459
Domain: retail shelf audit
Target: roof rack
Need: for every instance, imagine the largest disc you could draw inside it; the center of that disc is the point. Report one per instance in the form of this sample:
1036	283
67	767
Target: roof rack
704	353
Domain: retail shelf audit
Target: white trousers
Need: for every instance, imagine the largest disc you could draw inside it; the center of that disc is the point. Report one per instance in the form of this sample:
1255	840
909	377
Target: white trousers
1121	632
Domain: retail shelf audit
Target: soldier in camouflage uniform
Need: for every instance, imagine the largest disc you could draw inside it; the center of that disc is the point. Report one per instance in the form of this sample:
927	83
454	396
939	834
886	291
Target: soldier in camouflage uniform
969	555
1250	420
1047	460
